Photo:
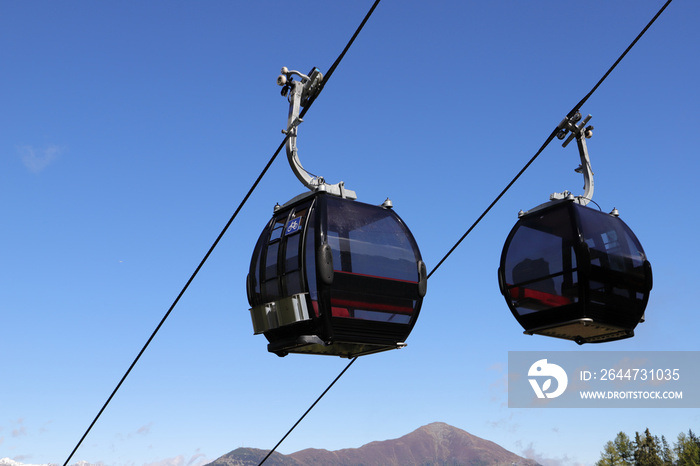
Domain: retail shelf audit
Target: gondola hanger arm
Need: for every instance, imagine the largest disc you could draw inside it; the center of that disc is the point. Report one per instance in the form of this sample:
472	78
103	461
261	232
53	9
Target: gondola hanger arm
577	129
300	94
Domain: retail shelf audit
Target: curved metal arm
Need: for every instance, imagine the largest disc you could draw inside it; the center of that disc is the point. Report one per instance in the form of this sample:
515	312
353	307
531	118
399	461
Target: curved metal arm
301	93
577	131
293	120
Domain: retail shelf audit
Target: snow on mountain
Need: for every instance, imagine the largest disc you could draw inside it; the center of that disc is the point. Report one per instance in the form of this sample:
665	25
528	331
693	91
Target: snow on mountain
11	462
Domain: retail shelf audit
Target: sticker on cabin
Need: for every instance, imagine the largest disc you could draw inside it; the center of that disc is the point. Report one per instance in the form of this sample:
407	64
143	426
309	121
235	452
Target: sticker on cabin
293	226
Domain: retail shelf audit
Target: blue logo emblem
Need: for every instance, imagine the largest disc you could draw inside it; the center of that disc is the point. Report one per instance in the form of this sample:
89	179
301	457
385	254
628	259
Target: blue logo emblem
293	226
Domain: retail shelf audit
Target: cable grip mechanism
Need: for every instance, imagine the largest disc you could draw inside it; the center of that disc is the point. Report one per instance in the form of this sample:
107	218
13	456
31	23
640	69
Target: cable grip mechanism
301	93
575	128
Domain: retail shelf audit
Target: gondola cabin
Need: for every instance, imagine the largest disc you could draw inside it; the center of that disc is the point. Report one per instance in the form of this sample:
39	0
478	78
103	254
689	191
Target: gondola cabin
572	272
335	276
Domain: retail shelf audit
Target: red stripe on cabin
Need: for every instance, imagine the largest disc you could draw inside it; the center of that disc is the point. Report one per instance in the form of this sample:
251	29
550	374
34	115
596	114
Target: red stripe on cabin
551	300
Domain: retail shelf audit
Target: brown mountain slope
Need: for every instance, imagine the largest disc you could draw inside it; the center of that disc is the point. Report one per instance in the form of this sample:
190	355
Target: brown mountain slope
252	457
436	444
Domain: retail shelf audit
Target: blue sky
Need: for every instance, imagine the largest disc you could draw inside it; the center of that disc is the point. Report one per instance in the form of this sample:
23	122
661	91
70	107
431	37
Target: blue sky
131	131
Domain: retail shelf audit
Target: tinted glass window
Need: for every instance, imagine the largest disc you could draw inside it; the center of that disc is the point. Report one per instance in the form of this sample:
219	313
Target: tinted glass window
276	232
271	260
293	283
540	266
278	265
370	240
291	261
617	261
612	244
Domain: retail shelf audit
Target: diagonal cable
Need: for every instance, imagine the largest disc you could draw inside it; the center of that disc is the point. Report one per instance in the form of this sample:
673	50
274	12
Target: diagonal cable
337	61
551	136
502	193
614	65
182	292
308	410
301	115
498	198
216	242
264	171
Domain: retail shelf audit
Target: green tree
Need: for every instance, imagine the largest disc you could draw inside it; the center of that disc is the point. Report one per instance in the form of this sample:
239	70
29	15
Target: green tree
694	438
619	452
609	456
646	450
624	448
667	457
687	449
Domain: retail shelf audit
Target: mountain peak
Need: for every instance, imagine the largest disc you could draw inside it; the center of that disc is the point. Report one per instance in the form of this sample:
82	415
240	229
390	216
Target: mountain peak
433	444
441	431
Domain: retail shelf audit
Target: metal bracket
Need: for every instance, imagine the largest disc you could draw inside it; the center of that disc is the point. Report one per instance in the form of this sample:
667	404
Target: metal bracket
300	94
572	127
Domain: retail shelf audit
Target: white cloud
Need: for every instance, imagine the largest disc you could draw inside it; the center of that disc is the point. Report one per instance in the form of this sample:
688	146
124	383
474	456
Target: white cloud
530	453
17	461
198	459
37	160
177	461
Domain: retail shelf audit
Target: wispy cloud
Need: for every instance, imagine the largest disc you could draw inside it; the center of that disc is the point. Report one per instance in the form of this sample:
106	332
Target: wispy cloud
21	458
143	430
177	461
20	430
507	424
198	459
530	453
36	160
45	427
19	461
499	387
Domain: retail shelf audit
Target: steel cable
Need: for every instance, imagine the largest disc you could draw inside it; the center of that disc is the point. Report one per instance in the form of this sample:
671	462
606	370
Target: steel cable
264	171
503	192
216	242
549	139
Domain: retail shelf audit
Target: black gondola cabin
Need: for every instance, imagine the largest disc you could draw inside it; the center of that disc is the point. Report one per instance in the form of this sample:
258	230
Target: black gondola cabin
572	272
335	276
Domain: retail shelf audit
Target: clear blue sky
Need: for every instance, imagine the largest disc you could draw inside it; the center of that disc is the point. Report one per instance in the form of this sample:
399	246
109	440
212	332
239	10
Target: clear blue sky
130	131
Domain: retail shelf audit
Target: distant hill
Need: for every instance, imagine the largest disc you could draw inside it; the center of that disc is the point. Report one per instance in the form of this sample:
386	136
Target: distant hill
437	444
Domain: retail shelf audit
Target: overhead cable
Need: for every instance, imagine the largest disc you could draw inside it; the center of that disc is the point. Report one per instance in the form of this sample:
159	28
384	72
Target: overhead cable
308	410
262	174
549	138
216	242
301	115
182	292
498	198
